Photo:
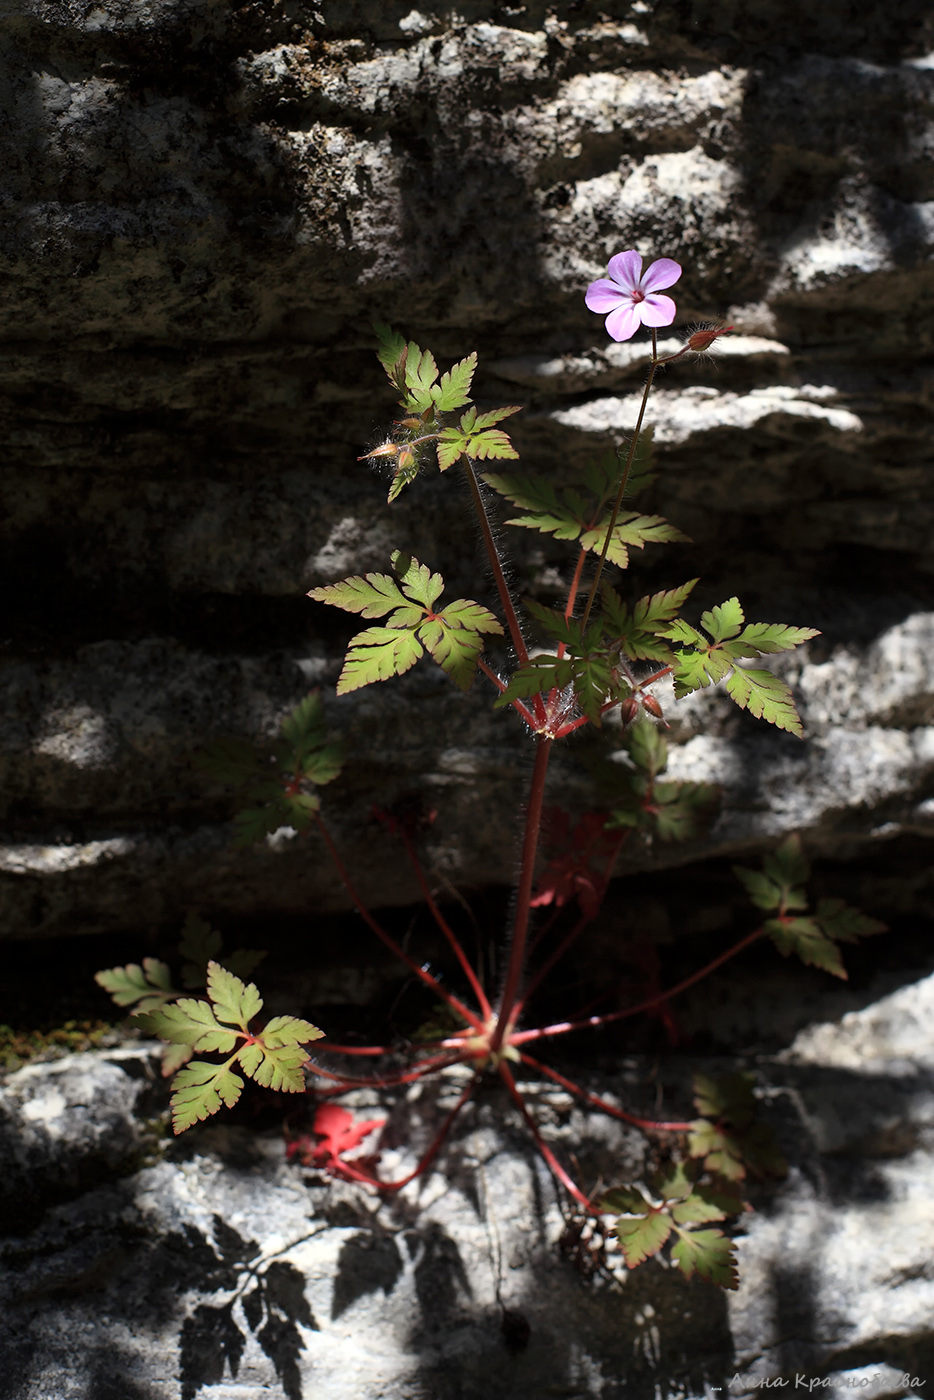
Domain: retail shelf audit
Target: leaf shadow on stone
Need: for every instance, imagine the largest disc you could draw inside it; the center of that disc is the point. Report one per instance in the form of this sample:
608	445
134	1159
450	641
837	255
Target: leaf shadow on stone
367	1263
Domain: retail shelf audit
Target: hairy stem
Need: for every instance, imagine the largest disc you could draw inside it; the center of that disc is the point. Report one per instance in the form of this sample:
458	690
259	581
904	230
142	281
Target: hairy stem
502	587
517	705
622	482
420	972
646	1124
445	927
533	822
563	1027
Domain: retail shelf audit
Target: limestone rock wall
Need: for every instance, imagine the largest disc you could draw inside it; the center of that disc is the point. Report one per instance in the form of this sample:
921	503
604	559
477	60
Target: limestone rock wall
202	210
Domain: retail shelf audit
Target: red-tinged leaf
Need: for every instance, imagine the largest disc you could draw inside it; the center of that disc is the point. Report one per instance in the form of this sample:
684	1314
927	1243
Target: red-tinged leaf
339	1133
642	1236
708	1253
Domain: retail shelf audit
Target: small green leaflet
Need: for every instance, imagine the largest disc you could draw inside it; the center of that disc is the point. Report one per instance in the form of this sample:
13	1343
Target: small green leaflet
637	632
779	884
708	1253
376	654
454	389
390	347
453	635
272	1057
805	937
199	1090
568	515
765	696
147	986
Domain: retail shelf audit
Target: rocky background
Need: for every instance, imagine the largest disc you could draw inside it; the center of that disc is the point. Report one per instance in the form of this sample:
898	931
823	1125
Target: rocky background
203	209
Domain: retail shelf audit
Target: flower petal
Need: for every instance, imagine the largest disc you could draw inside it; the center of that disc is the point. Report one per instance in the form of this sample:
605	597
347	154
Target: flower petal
604	296
657	311
658	275
626	269
623	323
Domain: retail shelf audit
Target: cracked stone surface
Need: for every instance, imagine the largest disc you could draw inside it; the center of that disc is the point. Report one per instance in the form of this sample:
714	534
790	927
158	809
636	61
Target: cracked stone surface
204	209
210	1268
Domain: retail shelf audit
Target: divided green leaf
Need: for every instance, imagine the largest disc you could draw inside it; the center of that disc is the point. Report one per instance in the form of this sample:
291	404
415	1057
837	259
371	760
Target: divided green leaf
375	655
708	1253
199	1090
146	986
454	389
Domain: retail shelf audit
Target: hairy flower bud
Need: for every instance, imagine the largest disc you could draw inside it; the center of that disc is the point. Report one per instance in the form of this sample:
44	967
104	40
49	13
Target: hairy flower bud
703	339
388	449
651	704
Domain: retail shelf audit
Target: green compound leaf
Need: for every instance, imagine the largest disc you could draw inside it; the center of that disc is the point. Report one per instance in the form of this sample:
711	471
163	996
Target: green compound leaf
709	1254
568	515
805	937
765	696
763	892
637	631
642	1236
145	986
373	595
304	726
235	1002
454	388
199	1091
647	748
375	655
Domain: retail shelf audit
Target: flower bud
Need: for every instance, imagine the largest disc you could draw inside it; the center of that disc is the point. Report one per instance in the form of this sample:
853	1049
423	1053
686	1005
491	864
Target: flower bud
703	339
629	709
388	449
651	704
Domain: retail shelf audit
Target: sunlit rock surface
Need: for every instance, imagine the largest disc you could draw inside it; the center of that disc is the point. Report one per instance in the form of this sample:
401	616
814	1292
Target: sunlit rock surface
211	1268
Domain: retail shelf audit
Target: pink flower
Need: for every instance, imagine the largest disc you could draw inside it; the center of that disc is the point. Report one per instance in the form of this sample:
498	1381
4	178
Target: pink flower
631	298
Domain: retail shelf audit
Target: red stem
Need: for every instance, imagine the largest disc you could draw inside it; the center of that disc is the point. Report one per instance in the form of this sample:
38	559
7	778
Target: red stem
533	822
647	1124
384	937
576	931
502	587
384	1081
445	927
622	483
570	1186
563	1027
517	705
425	1161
